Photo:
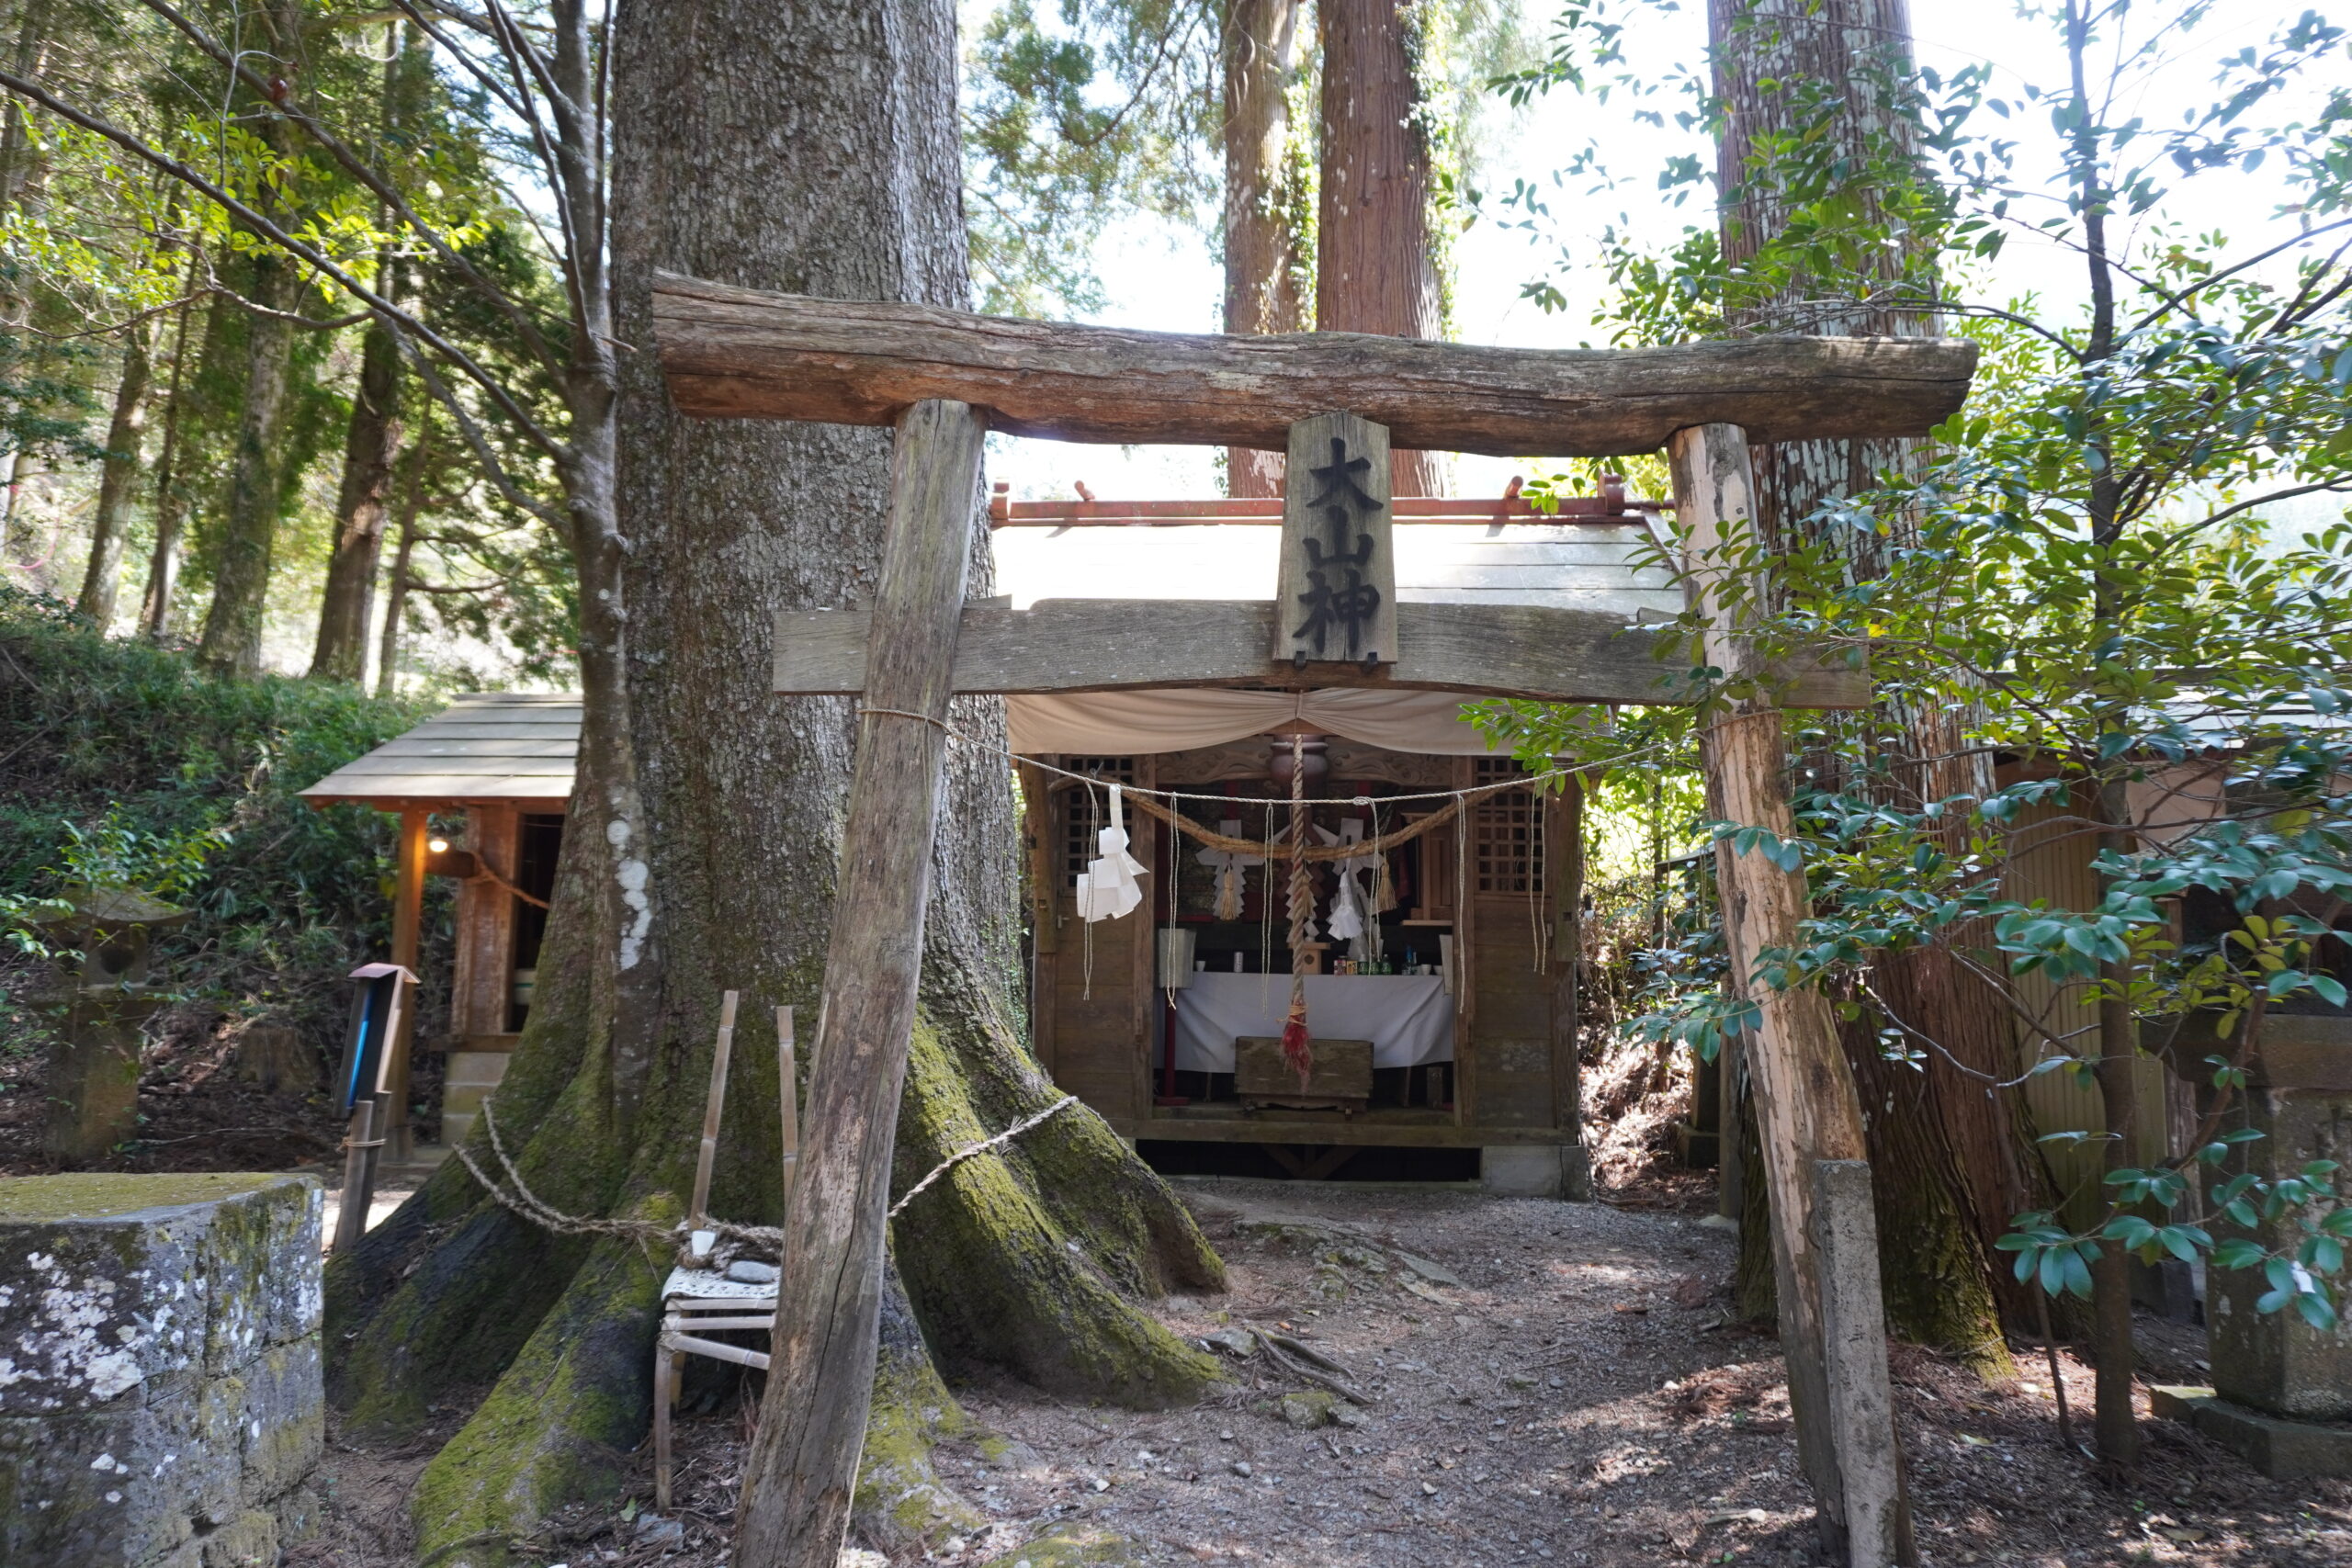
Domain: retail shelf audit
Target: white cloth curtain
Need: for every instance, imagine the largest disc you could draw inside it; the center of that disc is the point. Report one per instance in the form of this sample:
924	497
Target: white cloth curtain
1185	719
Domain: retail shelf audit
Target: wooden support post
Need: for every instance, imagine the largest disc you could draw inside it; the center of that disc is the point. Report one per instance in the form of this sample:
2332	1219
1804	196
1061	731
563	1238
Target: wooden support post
351	1219
714	1106
665	1394
788	1095
1806	1106
407	924
803	1465
1853	1333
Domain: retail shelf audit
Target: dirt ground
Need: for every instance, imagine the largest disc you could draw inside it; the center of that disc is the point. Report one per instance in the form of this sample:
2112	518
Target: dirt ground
1547	1382
197	1110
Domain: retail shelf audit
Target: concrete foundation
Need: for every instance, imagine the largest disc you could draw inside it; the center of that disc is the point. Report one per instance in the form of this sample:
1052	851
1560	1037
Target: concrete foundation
2284	1450
1536	1170
160	1395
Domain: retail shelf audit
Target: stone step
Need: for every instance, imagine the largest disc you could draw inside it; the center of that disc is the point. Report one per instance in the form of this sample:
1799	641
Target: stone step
476	1069
456	1125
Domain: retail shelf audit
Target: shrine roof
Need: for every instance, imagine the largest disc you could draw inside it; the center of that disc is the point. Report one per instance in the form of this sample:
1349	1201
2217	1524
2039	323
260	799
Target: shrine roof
1576	565
485	747
519	747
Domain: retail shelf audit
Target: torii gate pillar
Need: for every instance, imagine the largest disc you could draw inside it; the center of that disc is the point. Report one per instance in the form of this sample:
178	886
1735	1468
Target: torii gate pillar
1816	1176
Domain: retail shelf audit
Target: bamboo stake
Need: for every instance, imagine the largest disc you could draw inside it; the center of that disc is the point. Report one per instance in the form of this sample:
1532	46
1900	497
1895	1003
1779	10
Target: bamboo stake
788	1102
699	1210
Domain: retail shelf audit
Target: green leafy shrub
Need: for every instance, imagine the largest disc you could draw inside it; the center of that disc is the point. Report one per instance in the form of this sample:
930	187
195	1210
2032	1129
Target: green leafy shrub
120	758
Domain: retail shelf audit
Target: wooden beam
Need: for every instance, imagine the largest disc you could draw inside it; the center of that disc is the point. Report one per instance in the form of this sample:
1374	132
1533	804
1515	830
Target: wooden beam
408	926
1108	645
1806	1107
733	353
803	1464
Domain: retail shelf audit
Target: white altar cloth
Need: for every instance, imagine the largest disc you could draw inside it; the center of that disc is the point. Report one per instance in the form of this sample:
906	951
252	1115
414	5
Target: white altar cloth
1407	1018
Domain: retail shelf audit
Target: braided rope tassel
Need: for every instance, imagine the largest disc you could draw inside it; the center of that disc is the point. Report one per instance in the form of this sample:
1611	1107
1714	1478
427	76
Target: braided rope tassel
1295	1049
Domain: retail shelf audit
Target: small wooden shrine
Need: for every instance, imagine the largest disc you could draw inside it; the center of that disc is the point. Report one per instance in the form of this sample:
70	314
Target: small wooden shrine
1443	1004
481	789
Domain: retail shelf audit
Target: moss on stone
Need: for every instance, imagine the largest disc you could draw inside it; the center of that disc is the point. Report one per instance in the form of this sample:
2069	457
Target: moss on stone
1069	1546
98	1195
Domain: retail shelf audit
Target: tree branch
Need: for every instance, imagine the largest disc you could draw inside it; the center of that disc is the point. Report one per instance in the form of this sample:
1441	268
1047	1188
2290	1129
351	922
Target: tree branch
356	168
251	218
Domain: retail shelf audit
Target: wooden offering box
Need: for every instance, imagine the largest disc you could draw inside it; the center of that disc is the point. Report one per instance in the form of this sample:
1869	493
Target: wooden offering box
1338	1078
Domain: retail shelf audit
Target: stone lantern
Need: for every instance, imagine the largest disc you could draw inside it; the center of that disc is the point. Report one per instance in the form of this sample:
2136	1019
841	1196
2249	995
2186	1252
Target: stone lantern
102	937
2282	1389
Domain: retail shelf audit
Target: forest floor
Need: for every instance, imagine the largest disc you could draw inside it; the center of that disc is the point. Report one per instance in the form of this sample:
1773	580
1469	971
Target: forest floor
197	1111
1549	1383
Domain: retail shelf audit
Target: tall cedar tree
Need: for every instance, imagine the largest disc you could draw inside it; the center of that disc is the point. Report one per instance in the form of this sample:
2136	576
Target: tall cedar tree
1805	85
815	153
1375	270
1264	267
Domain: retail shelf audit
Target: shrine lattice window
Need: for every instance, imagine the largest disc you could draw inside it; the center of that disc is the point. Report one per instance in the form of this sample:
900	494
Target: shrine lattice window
1087	811
1507	832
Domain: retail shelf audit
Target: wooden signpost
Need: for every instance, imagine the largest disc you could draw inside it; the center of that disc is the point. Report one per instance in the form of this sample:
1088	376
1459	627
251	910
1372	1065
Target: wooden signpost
942	378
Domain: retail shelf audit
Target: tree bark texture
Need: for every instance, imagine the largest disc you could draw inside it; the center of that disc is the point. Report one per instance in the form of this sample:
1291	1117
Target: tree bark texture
246	540
1264	264
171	484
243	546
1375	270
816	151
735	353
118	475
1827	76
370	450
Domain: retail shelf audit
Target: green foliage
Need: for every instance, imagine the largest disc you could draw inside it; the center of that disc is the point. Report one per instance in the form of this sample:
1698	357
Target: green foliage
1101	108
2079	568
125	767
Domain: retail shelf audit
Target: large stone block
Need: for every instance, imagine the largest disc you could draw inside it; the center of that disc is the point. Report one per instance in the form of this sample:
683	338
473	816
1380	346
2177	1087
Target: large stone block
159	1367
106	1281
1534	1170
2276	1362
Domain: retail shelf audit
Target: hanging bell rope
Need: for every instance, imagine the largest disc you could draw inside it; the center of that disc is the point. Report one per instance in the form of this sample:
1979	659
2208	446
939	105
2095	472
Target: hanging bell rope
1297	1049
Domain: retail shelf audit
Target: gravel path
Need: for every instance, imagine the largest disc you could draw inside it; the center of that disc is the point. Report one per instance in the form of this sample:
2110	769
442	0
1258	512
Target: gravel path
1546	1383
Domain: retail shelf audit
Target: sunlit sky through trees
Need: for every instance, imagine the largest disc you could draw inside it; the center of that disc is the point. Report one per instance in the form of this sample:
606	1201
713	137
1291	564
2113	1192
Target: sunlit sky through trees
1160	276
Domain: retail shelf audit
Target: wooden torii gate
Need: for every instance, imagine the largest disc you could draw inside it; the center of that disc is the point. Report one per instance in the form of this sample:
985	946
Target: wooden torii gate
1334	401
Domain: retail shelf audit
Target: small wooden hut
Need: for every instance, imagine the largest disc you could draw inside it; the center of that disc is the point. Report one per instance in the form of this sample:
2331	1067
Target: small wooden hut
495	770
1463	984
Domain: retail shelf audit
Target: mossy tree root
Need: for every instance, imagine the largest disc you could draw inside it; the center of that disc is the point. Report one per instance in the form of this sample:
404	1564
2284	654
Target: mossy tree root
1008	1266
444	1294
558	1426
901	1508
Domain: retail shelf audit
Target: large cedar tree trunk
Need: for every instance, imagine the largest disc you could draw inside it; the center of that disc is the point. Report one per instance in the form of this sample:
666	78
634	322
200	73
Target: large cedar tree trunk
812	152
1375	268
1823	74
370	448
171	485
247	536
246	540
1264	266
118	471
